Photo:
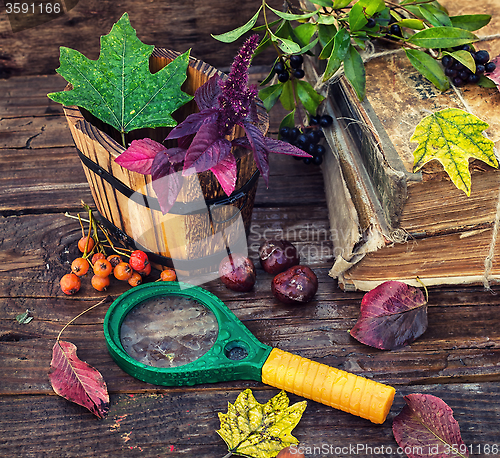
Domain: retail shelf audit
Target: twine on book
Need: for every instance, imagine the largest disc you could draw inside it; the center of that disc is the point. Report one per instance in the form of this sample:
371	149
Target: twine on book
488	261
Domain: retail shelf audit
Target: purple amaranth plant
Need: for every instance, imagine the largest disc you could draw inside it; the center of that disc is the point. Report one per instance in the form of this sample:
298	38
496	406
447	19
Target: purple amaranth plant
201	137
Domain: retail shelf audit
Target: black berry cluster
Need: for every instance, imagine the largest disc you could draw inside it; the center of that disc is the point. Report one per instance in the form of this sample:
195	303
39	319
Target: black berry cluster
289	67
309	138
459	74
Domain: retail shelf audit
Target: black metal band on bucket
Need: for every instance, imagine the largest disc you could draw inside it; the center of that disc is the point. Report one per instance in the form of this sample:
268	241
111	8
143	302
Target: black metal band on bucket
179	208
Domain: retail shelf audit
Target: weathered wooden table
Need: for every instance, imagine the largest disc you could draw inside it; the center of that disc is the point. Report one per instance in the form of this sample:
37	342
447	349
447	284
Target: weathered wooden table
457	359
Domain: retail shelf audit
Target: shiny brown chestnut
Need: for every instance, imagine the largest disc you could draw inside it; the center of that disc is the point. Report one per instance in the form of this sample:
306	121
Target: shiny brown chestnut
237	272
277	256
297	285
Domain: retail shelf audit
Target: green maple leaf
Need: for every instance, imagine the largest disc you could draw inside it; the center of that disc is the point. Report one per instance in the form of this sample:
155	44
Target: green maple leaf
259	430
118	88
452	136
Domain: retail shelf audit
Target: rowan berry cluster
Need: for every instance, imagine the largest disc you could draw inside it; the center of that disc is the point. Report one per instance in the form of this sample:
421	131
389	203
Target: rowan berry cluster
104	260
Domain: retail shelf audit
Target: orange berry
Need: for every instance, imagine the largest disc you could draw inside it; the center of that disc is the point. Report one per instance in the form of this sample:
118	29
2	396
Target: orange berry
114	259
83	242
98	256
135	279
100	283
168	274
70	283
123	271
102	268
146	271
80	266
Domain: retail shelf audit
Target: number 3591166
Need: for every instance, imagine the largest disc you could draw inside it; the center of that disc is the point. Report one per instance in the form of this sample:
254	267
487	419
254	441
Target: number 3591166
33	8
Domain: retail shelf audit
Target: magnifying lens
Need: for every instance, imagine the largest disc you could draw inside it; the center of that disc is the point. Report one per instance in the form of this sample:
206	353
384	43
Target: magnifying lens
174	334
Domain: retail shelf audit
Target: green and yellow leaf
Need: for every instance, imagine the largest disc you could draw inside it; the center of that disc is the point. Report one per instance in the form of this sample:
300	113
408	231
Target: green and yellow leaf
259	430
452	136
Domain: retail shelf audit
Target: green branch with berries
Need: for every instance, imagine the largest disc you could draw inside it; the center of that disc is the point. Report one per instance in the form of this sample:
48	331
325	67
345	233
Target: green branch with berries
439	46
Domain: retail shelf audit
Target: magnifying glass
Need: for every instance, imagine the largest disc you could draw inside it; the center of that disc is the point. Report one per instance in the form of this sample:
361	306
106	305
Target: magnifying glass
174	334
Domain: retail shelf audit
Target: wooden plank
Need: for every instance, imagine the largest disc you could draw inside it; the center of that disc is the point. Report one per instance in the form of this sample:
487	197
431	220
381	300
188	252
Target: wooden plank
183	423
175	25
447	353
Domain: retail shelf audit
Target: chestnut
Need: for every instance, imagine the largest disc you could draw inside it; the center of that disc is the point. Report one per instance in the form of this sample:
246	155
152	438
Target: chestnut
297	285
237	272
277	256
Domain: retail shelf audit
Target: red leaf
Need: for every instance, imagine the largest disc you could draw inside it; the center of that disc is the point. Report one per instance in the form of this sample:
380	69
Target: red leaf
77	381
426	428
226	172
392	315
139	156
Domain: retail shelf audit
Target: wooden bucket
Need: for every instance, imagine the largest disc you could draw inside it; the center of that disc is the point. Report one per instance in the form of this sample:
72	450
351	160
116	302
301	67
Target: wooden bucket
195	232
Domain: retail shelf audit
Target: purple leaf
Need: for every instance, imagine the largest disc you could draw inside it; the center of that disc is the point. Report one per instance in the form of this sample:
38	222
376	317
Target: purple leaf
193	123
226	173
280	147
207	95
166	181
426	428
207	149
139	156
257	143
392	315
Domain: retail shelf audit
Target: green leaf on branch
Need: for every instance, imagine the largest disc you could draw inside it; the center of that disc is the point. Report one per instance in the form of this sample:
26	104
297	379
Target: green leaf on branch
270	95
288	121
287	98
340	46
118	88
327	3
442	37
309	98
464	57
286	45
435	16
338	4
304	32
470	22
415	24
290	16
452	136
354	70
259	430
233	35
428	67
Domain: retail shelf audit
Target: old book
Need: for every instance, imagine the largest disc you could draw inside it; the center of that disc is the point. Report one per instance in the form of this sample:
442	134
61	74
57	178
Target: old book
386	221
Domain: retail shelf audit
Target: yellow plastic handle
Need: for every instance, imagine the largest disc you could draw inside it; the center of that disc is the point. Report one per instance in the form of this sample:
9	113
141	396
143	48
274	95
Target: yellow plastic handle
336	388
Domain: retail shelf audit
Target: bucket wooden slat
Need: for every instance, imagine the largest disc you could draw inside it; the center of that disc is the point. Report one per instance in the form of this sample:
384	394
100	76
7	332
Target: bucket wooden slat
189	236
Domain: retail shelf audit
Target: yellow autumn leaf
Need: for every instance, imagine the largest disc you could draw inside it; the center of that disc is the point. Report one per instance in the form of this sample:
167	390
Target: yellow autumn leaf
259	430
452	136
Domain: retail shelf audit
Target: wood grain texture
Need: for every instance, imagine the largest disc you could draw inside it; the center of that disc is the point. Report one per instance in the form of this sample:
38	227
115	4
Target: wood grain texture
456	359
168	24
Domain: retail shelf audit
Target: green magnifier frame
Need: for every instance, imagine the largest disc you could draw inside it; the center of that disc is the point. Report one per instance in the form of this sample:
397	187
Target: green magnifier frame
336	388
214	366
